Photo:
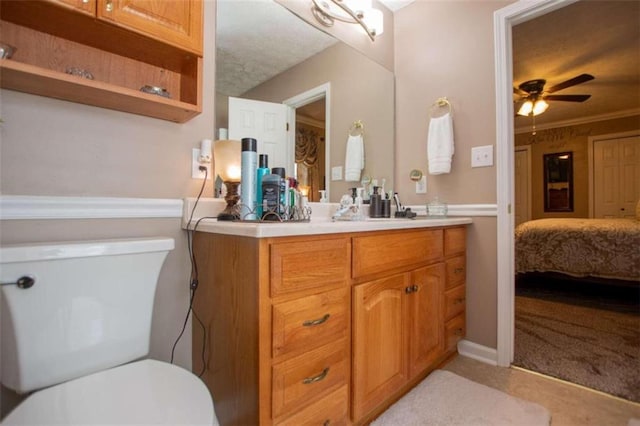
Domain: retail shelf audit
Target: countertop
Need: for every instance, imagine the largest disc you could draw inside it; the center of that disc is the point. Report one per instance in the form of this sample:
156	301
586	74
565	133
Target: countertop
320	222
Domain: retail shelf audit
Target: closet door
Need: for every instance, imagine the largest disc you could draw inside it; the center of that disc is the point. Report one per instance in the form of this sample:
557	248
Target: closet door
616	177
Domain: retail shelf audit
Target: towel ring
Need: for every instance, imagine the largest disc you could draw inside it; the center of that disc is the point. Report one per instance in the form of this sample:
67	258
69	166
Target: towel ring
357	128
441	103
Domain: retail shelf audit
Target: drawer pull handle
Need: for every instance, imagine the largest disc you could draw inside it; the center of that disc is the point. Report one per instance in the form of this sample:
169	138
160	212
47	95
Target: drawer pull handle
458	300
310	380
458	270
311	323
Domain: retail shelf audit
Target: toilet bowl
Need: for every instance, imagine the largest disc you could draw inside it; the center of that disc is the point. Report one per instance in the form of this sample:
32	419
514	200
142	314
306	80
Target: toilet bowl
75	338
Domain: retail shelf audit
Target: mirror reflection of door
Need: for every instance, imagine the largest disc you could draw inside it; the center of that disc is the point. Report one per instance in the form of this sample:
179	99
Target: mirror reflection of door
310	149
558	182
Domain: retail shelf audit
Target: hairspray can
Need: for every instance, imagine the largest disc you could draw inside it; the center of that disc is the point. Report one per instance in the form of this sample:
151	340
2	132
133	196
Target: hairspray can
249	165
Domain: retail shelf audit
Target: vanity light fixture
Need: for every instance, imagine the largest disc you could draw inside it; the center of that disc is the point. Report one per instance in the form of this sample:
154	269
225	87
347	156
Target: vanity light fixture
359	12
226	154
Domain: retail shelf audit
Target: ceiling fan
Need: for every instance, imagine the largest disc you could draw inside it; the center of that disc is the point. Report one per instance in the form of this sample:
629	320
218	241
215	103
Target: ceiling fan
535	96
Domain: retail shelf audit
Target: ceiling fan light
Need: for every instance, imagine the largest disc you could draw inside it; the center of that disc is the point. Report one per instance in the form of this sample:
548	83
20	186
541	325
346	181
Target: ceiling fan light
540	107
526	108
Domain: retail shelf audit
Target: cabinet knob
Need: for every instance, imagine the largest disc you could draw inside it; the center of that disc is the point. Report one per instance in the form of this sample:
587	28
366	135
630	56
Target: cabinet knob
458	300
109	6
311	323
317	378
458	332
411	289
326	422
458	270
85	1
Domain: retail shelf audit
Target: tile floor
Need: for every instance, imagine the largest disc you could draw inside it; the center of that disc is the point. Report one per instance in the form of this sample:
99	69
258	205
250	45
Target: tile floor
569	404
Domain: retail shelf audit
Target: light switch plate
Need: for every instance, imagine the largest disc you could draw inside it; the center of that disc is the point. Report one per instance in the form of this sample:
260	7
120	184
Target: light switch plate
482	156
195	166
336	173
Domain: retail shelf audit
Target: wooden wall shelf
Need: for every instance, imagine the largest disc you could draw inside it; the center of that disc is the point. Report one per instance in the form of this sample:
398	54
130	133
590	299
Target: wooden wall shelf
39	81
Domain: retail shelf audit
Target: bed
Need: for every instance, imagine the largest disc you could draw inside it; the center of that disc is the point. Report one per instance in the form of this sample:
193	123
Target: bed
601	248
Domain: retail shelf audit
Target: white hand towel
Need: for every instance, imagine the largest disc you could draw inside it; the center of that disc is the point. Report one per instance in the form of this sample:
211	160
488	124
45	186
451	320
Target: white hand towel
440	144
354	158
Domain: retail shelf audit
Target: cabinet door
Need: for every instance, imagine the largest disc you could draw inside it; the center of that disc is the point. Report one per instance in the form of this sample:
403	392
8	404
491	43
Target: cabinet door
379	341
426	323
178	23
85	6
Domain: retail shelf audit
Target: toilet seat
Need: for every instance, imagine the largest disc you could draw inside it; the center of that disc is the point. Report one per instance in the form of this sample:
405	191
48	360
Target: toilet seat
142	392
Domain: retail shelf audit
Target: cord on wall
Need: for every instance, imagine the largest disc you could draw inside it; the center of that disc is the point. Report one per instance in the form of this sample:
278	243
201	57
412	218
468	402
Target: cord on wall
193	279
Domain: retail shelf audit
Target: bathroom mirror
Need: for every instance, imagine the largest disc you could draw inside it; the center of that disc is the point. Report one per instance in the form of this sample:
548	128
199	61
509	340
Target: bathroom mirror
358	88
558	182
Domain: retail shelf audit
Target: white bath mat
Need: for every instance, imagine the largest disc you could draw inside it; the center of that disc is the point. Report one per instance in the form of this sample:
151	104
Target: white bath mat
444	398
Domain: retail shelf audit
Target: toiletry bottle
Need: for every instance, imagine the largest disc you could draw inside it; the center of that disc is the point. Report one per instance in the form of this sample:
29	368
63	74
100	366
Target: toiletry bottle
282	193
271	197
263	170
249	165
323	196
385	206
375	210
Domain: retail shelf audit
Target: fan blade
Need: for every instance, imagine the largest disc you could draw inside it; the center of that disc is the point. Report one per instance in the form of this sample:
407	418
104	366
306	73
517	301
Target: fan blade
520	92
582	78
567	98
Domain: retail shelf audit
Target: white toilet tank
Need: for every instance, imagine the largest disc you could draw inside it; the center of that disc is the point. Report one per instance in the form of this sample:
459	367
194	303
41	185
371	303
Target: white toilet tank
89	309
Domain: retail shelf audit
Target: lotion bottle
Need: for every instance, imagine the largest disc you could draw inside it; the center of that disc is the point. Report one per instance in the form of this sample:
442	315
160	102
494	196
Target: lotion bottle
263	169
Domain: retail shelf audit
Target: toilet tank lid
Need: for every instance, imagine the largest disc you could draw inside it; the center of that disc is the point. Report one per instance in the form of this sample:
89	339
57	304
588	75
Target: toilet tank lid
73	249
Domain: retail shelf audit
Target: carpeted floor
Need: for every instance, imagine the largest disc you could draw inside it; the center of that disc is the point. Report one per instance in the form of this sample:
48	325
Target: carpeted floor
592	340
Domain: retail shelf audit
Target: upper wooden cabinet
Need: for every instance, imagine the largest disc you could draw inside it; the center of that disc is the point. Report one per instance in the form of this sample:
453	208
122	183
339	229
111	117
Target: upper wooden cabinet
123	44
175	22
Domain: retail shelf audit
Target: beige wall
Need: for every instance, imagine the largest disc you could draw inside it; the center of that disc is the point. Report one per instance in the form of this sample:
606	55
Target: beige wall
446	49
563	139
57	148
360	90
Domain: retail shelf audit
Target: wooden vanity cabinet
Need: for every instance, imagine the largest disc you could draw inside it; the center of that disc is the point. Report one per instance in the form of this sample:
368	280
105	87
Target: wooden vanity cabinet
324	329
278	317
124	44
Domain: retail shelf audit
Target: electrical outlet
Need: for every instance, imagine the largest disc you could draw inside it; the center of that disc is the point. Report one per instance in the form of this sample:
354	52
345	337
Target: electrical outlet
421	185
195	166
482	156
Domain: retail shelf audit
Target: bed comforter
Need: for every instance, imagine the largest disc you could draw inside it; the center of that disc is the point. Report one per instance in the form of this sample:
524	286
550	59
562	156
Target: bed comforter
605	248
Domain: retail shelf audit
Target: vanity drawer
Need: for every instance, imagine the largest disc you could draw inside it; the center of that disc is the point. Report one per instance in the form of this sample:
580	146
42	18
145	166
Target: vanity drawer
309	377
455	240
309	264
454	301
310	321
455	330
377	253
456	271
331	410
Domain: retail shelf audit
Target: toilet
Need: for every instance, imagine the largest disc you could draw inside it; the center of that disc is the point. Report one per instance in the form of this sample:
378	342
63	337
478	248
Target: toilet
76	323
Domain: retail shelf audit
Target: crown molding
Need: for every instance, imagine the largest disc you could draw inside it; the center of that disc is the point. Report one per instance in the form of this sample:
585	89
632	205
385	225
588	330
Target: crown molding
578	121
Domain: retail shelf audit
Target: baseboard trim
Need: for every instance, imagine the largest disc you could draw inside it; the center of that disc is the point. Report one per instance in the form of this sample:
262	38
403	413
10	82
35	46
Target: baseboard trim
478	352
20	207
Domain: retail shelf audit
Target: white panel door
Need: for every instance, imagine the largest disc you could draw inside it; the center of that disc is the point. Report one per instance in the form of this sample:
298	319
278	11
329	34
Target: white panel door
522	200
267	123
616	177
